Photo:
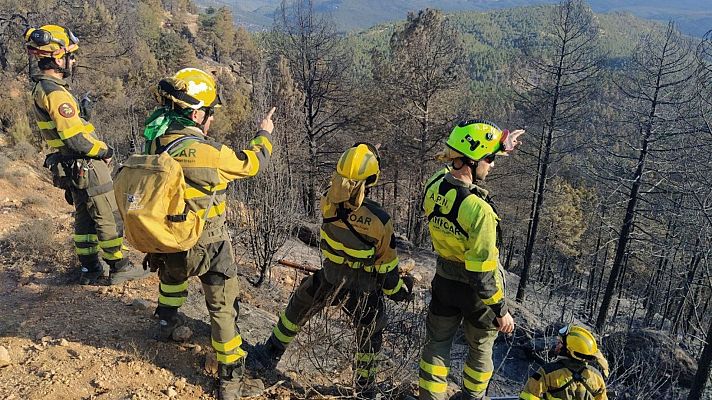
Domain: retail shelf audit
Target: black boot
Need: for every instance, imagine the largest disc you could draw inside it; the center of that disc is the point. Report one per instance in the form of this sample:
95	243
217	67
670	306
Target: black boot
168	320
266	356
230	380
90	273
124	270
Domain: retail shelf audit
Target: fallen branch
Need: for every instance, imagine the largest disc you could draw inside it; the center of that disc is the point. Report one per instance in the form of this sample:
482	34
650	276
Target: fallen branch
300	267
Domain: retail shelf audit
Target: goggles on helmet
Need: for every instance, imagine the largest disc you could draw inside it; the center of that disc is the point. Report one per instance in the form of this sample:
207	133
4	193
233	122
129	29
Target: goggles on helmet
42	37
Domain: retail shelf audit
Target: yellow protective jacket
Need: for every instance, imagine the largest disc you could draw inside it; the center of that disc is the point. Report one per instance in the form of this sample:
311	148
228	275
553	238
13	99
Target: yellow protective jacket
60	125
464	231
364	243
209	166
565	379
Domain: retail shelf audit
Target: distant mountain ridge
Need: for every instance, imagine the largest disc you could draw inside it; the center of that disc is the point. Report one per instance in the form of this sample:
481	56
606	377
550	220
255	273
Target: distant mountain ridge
693	16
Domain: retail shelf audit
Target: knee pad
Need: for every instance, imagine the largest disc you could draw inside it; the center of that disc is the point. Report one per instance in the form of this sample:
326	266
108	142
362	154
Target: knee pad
213	278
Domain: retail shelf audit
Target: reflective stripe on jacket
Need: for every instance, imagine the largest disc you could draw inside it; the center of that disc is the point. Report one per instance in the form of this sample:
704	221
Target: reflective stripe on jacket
374	252
463	229
565	379
59	122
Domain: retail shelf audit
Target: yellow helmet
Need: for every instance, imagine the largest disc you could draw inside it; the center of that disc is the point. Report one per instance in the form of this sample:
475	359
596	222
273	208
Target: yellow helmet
361	162
579	342
200	86
51	41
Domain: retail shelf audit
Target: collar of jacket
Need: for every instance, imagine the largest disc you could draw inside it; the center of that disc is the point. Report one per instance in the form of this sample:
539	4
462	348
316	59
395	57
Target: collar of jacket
373	202
570	362
178	129
480	192
45	77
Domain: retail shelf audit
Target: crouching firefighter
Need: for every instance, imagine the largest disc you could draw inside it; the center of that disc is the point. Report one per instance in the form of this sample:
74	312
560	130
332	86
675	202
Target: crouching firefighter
80	163
572	375
360	266
179	127
469	280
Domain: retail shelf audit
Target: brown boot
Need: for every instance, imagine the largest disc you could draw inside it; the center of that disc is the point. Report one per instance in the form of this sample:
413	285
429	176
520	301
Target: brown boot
126	271
230	380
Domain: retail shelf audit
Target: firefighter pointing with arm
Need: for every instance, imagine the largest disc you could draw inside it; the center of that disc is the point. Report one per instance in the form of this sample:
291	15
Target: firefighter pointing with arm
79	164
469	280
187	102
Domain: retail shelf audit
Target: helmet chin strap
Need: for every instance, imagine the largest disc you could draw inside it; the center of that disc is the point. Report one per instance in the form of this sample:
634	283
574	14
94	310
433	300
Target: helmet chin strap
465	162
68	70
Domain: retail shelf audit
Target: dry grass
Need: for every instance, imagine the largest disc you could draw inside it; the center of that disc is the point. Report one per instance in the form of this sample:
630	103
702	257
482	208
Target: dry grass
34	199
22	151
34	237
17	177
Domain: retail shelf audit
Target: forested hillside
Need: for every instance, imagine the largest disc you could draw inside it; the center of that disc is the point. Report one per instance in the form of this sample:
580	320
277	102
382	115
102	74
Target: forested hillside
605	209
691	15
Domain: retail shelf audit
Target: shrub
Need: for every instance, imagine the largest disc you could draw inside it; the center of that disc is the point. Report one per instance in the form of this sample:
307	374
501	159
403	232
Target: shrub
35	199
34	237
22	151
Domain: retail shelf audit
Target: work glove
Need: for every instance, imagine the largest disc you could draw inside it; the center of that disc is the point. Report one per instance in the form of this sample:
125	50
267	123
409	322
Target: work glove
406	291
150	263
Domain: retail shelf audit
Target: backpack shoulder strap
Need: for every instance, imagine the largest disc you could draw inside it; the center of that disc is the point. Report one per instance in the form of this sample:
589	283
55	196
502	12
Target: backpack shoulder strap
174	146
461	194
342	214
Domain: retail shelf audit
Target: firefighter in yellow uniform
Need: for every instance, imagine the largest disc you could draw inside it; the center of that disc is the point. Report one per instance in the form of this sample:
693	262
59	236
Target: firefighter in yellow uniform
80	164
360	266
572	376
180	124
469	280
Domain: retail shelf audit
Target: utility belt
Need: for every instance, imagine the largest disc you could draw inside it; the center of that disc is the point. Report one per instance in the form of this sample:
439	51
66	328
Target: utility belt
72	172
213	232
61	166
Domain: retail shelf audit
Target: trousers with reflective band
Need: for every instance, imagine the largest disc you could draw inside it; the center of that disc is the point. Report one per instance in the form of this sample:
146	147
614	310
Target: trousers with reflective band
365	309
98	228
453	304
565	379
214	265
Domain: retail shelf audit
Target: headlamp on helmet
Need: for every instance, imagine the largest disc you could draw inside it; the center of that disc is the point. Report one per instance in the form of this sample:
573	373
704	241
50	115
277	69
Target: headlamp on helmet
50	41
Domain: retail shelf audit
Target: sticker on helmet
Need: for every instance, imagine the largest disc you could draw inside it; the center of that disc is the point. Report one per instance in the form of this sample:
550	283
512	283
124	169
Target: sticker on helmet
66	110
196	88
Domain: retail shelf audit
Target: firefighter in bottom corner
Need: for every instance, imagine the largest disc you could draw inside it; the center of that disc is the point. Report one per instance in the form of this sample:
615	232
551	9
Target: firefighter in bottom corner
573	374
80	164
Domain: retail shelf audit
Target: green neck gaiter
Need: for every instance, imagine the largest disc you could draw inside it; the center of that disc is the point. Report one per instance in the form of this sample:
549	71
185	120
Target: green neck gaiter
157	124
